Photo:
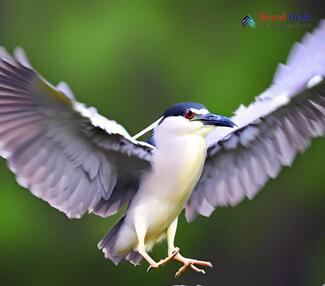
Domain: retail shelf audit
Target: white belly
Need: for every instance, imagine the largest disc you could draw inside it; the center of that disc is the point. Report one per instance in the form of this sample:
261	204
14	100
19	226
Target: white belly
165	190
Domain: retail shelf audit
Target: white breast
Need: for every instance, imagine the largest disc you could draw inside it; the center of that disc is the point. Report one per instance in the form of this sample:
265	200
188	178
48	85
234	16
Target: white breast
177	165
177	168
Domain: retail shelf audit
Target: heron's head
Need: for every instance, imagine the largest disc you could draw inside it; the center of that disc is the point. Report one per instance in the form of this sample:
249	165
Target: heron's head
187	118
190	117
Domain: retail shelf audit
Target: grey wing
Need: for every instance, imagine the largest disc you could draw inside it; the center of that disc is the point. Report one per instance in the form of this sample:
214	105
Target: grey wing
63	152
271	131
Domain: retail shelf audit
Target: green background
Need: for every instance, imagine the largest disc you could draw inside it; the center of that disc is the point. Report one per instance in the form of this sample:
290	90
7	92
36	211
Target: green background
133	59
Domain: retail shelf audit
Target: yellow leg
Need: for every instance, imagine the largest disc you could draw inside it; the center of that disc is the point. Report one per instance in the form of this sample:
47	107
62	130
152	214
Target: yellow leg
171	233
188	263
172	250
141	231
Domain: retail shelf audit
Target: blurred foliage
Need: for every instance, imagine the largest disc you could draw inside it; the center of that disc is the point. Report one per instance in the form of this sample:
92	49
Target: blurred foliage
132	59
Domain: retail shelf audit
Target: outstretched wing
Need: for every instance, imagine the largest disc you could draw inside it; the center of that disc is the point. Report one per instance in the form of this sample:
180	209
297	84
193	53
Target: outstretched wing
65	153
271	131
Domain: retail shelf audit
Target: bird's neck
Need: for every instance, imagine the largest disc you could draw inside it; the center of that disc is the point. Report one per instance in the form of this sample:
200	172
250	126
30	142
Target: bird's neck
182	154
175	132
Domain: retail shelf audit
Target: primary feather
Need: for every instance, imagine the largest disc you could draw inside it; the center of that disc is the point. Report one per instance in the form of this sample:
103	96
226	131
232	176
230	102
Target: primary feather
65	153
281	122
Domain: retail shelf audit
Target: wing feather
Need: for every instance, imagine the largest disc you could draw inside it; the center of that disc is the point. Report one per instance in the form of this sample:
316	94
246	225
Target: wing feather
64	152
271	131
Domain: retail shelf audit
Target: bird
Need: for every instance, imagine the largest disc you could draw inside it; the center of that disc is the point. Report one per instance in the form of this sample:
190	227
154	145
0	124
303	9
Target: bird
80	162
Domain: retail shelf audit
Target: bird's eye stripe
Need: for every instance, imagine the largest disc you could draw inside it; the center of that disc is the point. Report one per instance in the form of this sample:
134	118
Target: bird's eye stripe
202	111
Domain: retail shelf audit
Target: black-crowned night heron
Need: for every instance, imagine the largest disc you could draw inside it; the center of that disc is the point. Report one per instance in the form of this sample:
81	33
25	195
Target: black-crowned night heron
80	162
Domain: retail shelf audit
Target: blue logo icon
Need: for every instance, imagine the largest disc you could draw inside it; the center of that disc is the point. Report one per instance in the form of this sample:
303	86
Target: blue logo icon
248	21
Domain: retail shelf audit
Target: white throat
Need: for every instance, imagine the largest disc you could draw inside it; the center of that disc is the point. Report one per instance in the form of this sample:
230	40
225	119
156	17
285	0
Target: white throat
173	130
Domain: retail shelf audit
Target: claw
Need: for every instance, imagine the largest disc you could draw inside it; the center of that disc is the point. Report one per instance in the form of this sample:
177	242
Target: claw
186	266
187	263
181	270
152	266
164	261
199	270
191	263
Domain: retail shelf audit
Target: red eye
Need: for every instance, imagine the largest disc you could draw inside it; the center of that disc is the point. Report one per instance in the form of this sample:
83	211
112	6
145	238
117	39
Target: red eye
189	114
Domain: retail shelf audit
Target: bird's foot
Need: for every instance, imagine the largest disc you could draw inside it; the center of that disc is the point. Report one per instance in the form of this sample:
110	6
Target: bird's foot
191	263
162	262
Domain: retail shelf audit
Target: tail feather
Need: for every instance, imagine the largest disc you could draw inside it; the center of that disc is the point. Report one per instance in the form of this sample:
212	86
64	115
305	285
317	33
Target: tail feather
134	257
107	245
